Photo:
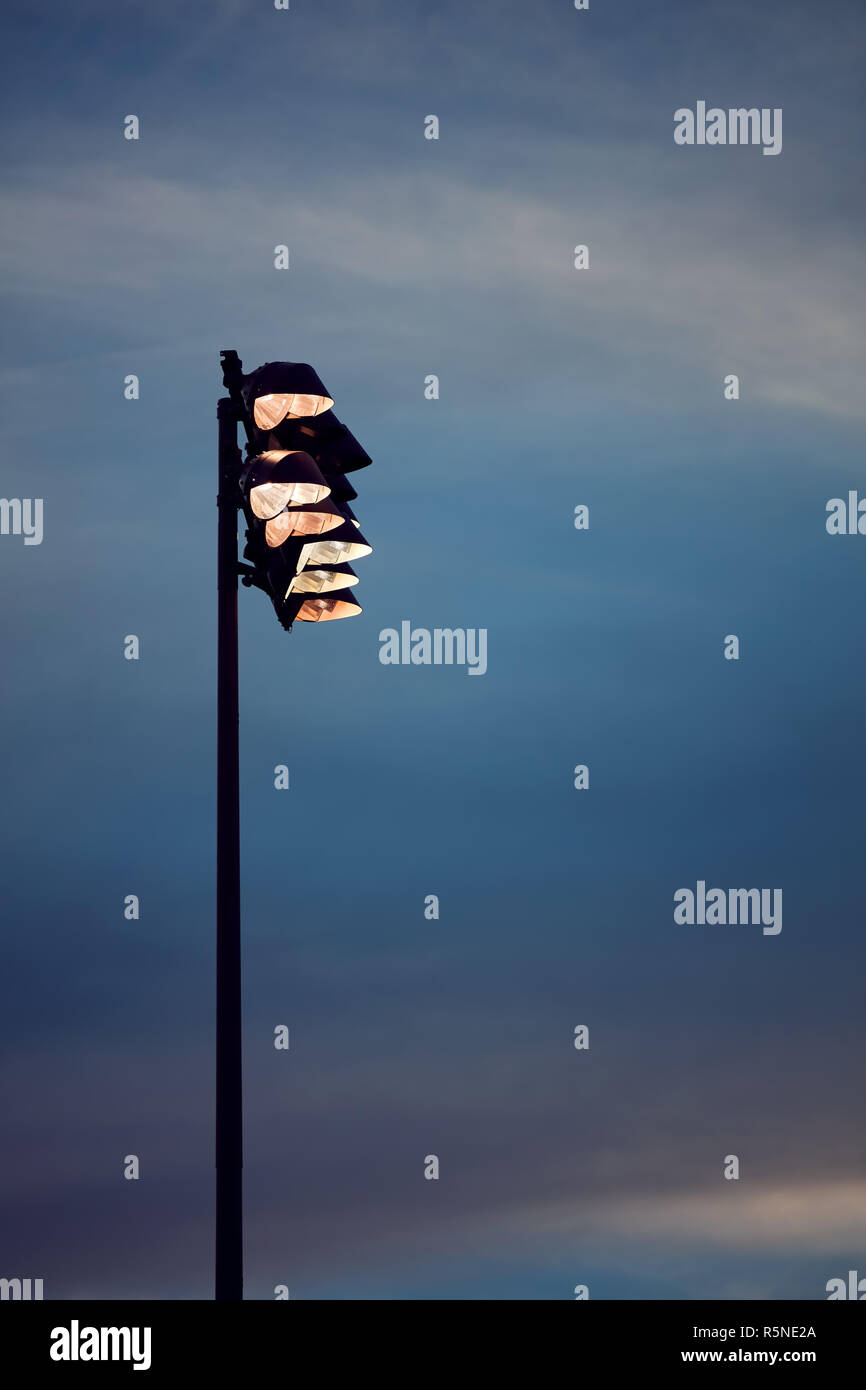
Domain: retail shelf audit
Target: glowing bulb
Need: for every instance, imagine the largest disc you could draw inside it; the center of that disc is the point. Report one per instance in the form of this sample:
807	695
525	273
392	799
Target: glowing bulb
270	498
334	552
299	523
323	610
319	581
270	410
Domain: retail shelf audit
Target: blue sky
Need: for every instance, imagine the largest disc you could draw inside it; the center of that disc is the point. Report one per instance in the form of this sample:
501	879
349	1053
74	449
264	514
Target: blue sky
557	387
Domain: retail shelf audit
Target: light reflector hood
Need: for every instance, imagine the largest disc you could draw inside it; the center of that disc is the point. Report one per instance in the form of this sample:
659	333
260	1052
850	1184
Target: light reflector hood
284	391
282	478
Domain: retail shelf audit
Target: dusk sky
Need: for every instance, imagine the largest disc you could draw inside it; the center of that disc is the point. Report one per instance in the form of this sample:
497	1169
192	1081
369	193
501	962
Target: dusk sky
558	387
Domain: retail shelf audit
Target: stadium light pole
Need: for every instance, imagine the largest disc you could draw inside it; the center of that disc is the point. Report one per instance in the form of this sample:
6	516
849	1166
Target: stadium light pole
301	534
229	1088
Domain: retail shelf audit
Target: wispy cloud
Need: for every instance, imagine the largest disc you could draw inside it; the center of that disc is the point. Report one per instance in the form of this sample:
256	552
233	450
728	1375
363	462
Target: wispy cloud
805	1217
675	290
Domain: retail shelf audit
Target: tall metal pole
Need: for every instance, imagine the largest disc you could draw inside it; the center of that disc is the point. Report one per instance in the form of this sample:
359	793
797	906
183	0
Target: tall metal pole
229	1099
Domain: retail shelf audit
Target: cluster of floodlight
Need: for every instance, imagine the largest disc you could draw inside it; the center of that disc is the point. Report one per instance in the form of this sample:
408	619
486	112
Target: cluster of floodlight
302	534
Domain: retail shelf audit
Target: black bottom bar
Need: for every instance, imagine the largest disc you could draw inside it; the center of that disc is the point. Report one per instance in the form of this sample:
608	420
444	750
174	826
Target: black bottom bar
596	1341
